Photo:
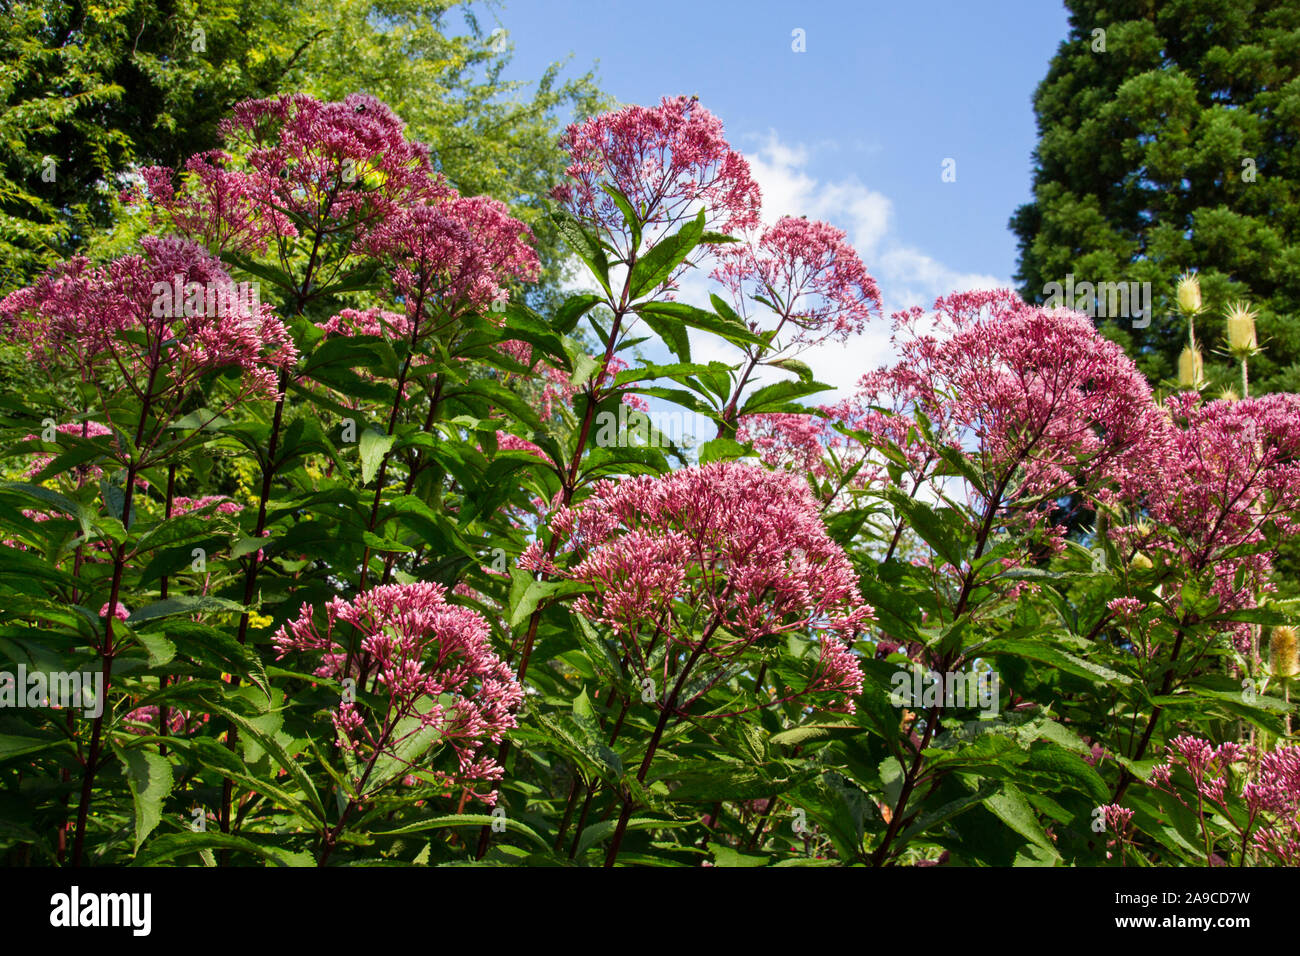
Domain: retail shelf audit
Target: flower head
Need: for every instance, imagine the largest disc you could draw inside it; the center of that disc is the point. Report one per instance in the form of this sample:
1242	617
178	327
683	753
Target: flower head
1240	329
1188	293
320	162
1284	652
667	160
153	323
739	544
812	277
443	682
454	255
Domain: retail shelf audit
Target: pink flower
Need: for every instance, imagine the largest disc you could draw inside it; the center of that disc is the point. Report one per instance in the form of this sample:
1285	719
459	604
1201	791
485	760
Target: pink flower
219	206
508	442
784	440
325	162
434	662
742	546
1274	798
454	255
1117	817
812	278
667	160
1215	477
120	612
1126	609
220	504
376	321
83	429
1042	404
1208	766
180	723
152	324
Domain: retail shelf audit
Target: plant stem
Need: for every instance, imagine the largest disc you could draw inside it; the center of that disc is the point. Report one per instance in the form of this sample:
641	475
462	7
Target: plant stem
92	757
669	708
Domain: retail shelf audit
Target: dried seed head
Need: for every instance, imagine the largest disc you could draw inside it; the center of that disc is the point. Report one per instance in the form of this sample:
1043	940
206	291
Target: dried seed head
1240	330
1284	652
1188	293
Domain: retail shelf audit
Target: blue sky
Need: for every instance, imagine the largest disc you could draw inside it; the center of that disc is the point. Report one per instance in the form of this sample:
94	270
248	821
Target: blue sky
854	130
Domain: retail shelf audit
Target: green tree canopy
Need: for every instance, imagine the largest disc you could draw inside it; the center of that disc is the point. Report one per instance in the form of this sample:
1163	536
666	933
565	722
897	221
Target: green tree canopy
1168	143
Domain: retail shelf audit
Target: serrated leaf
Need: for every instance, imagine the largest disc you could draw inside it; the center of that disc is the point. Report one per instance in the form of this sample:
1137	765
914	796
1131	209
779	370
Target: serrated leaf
150	779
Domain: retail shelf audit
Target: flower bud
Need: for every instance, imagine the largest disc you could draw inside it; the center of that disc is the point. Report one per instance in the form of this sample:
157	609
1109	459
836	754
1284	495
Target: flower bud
1188	293
1284	652
1241	329
1191	368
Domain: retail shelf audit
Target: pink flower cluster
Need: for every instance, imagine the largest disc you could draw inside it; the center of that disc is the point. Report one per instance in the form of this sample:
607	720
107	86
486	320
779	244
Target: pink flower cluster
84	429
1271	791
1274	797
812	277
667	160
295	165
1208	766
375	321
454	255
315	161
786	440
1044	404
728	548
142	319
1216	475
812	445
220	505
218	206
434	661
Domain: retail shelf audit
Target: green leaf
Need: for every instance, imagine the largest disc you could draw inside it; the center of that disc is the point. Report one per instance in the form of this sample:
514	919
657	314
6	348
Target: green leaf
150	778
721	781
50	499
800	369
726	856
810	733
269	743
630	218
160	650
374	445
721	449
533	595
733	331
573	309
182	605
172	845
1011	807
585	245
653	269
778	396
467	820
937	530
598	832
